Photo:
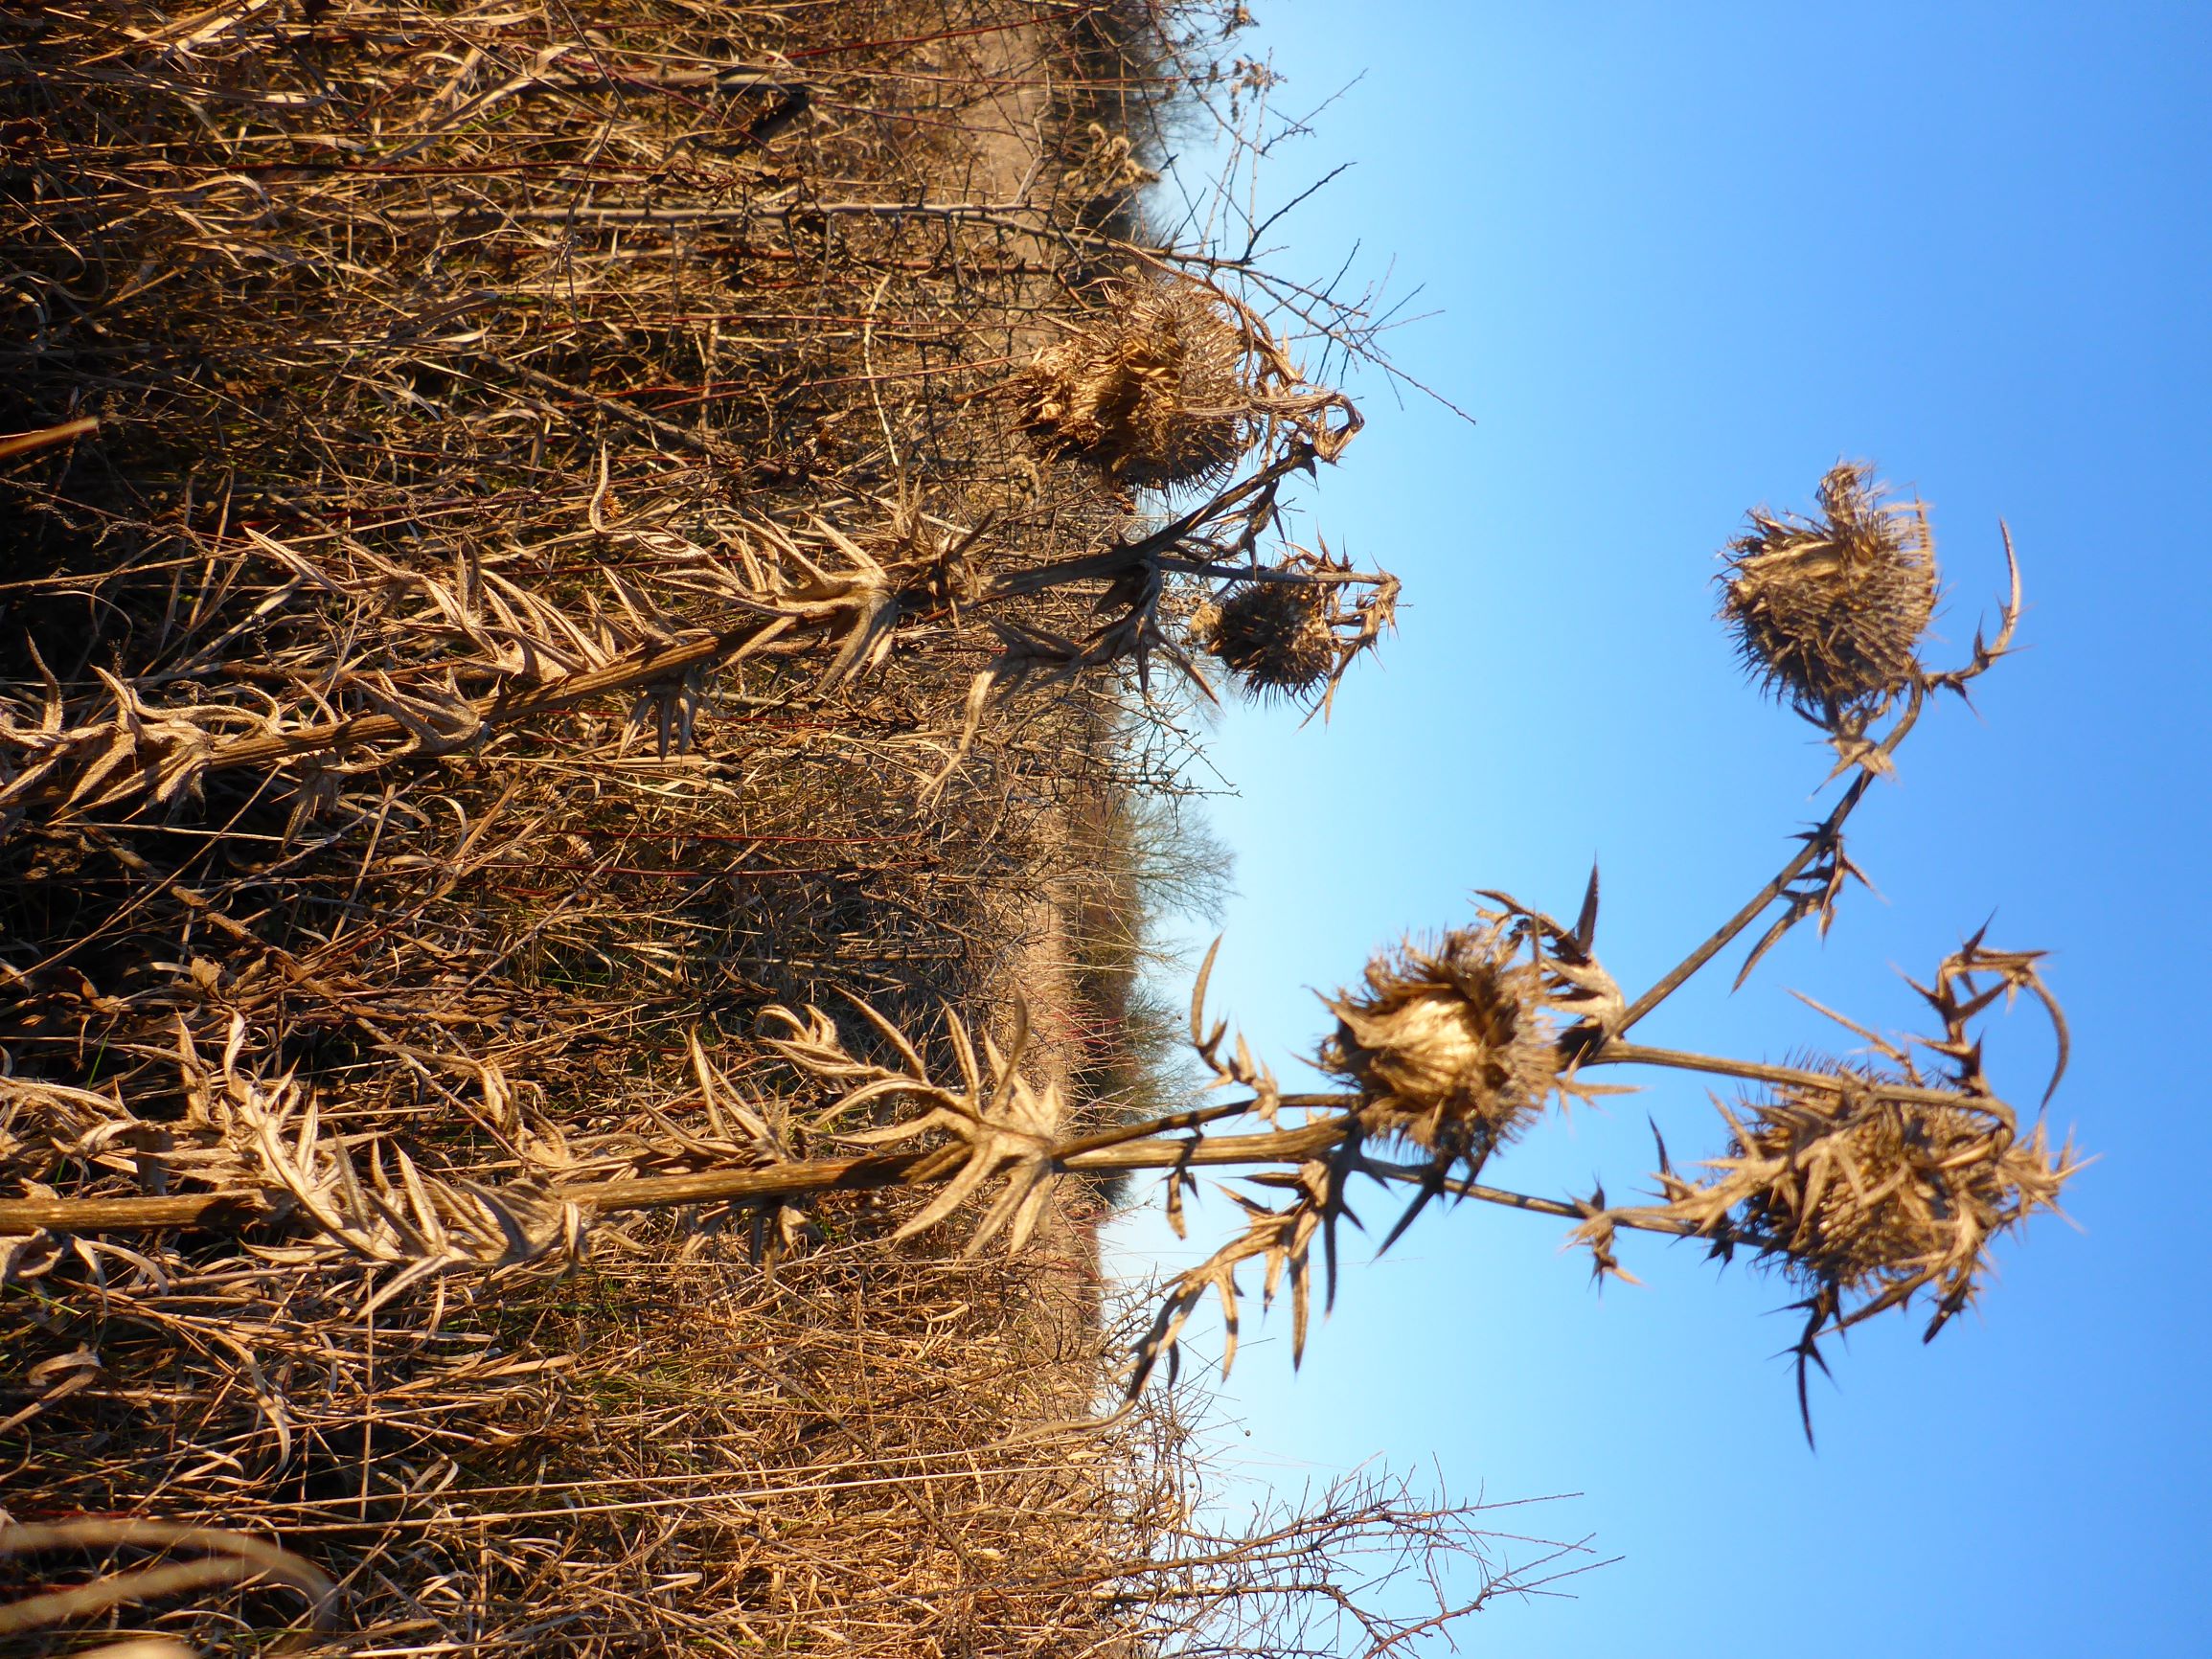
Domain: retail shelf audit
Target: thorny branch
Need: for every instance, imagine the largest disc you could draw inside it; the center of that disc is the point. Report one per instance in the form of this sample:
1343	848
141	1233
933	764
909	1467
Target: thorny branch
816	592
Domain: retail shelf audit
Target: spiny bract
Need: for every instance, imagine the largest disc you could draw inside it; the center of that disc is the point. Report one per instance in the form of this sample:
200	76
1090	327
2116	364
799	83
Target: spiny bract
1451	1047
1153	392
1829	612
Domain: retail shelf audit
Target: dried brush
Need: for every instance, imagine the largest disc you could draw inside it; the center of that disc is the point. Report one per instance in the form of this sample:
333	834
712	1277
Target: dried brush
433	552
1829	612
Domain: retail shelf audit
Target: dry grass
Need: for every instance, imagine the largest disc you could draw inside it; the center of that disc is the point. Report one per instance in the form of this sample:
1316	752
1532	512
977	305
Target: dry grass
658	1453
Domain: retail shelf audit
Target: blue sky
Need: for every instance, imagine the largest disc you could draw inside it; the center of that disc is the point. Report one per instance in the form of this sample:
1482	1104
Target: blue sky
1686	257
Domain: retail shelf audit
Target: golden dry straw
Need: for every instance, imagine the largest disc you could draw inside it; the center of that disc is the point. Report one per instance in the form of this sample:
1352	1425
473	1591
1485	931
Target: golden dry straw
1154	392
1450	1046
1829	611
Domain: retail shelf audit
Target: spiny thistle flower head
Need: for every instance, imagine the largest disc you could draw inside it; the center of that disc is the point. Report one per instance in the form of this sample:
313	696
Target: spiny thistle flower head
1155	390
1865	1191
1275	637
1829	612
1450	1046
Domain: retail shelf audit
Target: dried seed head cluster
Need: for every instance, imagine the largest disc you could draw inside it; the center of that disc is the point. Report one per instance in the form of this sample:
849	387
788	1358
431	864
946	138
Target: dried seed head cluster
1451	1047
1829	612
1868	1196
1274	637
1156	391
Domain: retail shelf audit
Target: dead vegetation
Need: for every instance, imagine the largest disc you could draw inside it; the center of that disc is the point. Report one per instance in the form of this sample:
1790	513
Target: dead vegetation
565	587
1163	390
1829	611
517	557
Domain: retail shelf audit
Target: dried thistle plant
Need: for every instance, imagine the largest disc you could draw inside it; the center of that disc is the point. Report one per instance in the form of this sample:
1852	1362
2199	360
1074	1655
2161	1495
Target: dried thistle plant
1273	637
1451	1046
1866	1184
1863	1187
1871	1195
1829	612
1290	630
405	665
1157	391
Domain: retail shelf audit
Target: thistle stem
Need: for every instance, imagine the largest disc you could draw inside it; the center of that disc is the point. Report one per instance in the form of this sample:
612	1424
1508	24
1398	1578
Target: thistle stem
1177	1122
1621	1053
1159	1144
1155	547
1567	1211
1682	973
229	1211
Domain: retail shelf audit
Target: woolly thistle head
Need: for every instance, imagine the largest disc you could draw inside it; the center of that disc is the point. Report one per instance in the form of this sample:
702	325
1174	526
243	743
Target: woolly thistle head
1451	1047
1275	637
1829	612
1869	1192
1156	390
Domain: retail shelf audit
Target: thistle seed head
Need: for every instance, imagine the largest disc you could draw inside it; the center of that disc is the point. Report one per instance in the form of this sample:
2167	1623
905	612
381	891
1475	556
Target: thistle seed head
1273	636
1829	612
1865	1194
1154	392
1451	1046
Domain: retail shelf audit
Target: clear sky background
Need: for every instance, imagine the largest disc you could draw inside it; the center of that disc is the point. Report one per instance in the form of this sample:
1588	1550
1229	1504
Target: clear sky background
1686	257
